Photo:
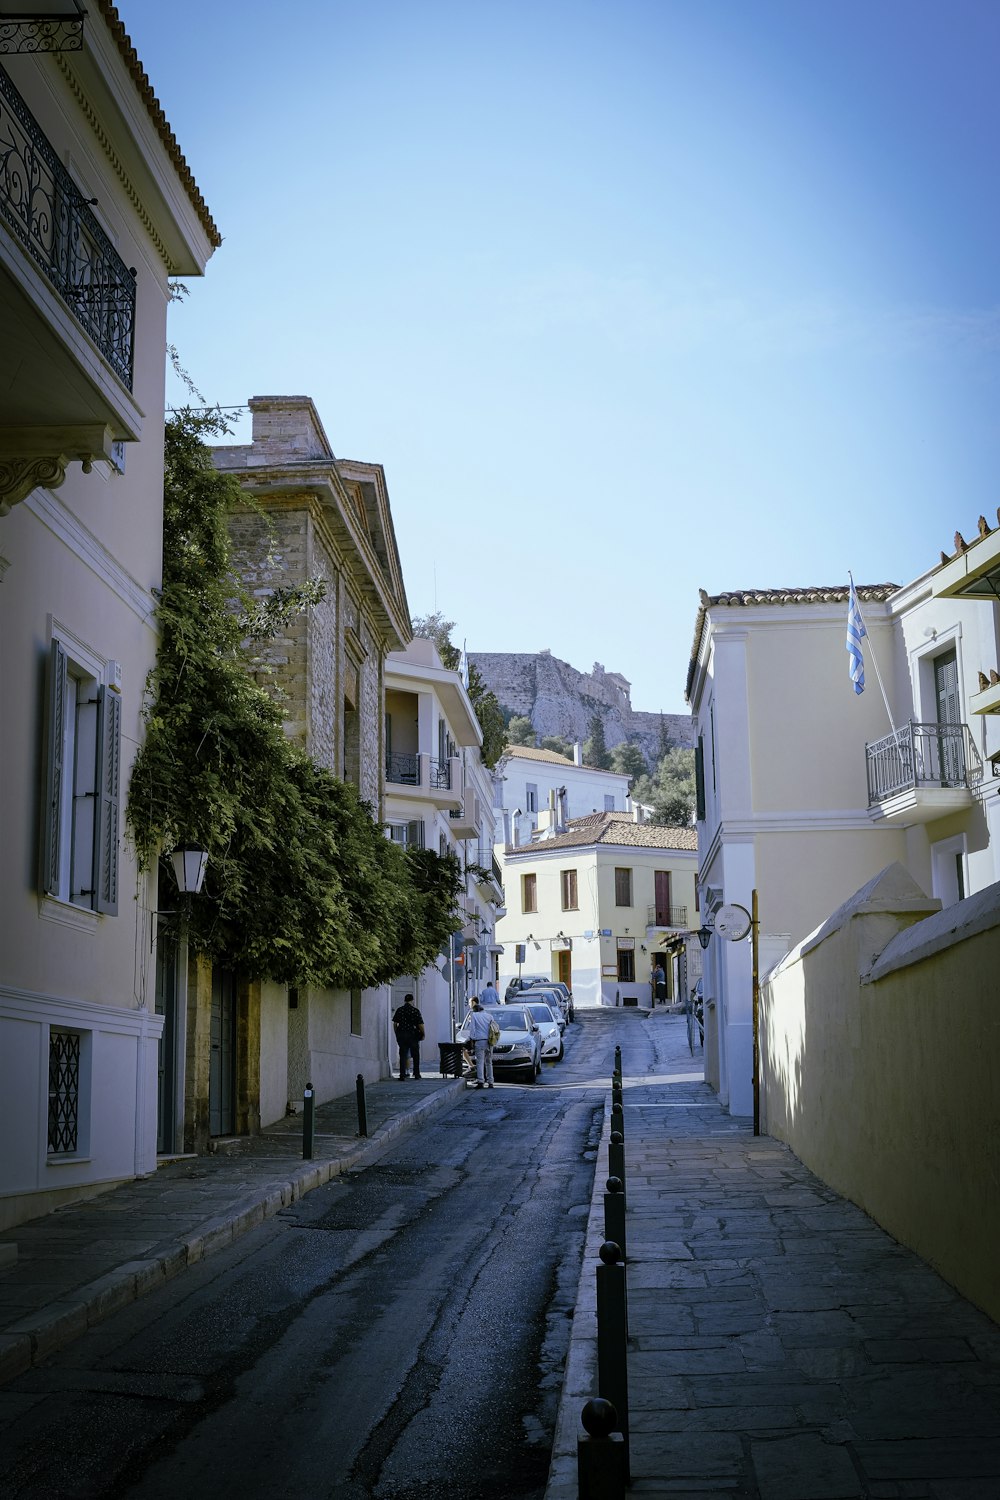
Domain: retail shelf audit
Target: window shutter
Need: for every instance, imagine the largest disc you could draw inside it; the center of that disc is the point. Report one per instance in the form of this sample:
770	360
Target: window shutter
699	779
109	743
52	792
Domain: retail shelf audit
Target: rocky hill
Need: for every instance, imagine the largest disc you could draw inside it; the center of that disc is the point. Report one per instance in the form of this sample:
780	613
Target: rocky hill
560	700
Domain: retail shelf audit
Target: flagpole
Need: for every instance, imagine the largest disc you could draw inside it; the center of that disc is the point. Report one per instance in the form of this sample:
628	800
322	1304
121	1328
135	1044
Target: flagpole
878	674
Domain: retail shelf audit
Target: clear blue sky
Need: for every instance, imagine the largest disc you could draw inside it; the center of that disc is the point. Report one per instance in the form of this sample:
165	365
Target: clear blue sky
629	298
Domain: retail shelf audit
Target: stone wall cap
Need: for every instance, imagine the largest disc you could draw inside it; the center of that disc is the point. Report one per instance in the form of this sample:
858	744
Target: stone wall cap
893	890
978	913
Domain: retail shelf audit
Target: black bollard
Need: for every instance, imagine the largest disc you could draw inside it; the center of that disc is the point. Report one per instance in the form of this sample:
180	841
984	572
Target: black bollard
362	1108
612	1338
618	1063
600	1456
616	1160
618	1119
308	1122
614	1214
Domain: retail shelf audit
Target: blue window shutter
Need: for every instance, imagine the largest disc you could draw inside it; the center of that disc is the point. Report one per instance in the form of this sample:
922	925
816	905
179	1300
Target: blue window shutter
109	750
52	792
699	779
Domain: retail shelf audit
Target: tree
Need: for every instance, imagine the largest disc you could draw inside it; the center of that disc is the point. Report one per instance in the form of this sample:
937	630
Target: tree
437	629
520	731
664	744
628	760
595	750
302	884
670	791
556	743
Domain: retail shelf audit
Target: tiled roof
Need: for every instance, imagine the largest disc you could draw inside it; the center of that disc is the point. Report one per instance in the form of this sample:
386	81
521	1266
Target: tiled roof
876	593
131	59
610	828
553	758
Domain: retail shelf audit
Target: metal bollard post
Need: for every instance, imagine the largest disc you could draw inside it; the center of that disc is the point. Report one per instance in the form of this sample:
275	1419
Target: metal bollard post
362	1108
618	1063
600	1456
308	1122
618	1119
616	1160
612	1338
614	1214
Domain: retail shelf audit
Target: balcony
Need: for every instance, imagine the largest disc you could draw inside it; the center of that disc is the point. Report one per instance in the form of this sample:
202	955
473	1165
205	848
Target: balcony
462	819
67	304
666	916
418	775
487	874
921	773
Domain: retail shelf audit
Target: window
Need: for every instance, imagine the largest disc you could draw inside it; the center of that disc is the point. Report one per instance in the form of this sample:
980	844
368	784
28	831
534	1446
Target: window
82	769
609	802
699	779
407	835
623	887
531	797
529	893
569	892
626	965
69	1053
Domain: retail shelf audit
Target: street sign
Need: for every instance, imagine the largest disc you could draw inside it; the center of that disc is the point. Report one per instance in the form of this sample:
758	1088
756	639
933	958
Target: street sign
732	922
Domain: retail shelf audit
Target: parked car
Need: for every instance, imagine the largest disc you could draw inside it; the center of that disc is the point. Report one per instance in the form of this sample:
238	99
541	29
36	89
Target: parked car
550	997
523	982
519	1049
533	981
548	1025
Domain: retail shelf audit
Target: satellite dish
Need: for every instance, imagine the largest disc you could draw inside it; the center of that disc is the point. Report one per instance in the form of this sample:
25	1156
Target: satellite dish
732	922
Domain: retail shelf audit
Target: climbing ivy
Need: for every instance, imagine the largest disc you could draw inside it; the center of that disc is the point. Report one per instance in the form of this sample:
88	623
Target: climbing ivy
302	885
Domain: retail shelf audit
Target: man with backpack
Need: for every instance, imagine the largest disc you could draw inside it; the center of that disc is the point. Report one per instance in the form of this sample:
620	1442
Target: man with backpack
477	1026
408	1025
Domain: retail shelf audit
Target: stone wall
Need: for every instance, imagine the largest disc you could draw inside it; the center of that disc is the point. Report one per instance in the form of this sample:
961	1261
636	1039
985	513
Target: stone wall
560	700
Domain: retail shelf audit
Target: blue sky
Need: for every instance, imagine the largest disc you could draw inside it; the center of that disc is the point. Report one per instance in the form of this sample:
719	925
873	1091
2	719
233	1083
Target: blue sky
628	298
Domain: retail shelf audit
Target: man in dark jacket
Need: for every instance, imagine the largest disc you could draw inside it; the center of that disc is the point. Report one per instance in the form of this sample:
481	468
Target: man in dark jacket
408	1024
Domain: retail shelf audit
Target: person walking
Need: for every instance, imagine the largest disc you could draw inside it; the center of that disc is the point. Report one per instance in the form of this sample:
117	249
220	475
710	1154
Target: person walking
408	1026
489	995
659	984
477	1026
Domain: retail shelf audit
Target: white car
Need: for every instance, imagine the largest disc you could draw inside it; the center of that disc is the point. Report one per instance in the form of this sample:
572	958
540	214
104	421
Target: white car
548	1025
550	997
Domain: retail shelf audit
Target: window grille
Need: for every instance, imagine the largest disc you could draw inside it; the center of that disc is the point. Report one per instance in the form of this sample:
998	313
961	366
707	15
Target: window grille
64	1091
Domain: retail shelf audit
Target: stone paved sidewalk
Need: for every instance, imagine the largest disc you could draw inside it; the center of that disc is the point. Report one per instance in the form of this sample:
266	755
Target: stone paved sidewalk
78	1265
782	1346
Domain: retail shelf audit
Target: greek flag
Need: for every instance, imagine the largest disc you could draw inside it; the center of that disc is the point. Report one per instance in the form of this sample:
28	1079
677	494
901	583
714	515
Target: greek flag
855	630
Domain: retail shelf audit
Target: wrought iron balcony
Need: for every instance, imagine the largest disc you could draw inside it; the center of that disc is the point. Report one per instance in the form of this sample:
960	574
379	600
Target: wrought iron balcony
50	218
666	916
441	775
404	770
939	756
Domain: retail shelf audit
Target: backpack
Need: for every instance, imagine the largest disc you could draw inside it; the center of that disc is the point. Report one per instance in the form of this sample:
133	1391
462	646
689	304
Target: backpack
493	1035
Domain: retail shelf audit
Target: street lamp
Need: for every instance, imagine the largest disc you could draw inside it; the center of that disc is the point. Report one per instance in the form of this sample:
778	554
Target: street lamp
189	862
704	936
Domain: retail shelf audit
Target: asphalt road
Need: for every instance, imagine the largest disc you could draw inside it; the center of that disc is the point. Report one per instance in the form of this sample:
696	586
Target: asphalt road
397	1334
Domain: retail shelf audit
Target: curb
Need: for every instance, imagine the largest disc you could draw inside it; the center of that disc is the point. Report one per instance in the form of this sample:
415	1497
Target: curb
33	1339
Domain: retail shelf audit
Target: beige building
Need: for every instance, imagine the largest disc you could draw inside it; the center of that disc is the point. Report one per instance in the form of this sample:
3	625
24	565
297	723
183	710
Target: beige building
595	901
807	790
313	516
438	796
98	209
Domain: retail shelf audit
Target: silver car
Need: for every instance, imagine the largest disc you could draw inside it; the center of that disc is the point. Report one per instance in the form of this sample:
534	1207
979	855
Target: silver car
548	1025
519	1049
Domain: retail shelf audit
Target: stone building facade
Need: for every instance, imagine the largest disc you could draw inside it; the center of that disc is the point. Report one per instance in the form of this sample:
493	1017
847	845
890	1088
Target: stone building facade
313	516
560	700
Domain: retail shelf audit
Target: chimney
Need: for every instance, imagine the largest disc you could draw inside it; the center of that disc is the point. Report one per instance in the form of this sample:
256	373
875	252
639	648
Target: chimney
577	753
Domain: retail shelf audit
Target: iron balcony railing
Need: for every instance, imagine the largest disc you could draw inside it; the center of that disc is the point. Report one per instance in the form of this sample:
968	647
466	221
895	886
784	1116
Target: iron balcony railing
404	770
50	218
441	775
931	755
666	916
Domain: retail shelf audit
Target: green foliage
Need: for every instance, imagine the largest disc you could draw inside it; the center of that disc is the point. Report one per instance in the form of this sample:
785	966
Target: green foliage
628	760
595	750
520	731
558	744
437	629
670	791
302	886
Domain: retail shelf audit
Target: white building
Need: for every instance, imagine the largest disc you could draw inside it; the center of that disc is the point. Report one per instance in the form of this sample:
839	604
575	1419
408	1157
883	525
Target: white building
438	796
98	210
594	902
807	790
528	781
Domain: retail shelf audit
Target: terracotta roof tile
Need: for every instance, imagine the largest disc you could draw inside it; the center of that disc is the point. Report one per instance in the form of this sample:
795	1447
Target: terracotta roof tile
610	828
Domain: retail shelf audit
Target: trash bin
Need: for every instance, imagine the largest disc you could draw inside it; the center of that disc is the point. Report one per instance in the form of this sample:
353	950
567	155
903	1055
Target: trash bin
452	1056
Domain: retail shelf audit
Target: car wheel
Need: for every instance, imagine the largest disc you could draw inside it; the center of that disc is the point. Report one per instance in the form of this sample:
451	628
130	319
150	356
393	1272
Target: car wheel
562	1051
531	1075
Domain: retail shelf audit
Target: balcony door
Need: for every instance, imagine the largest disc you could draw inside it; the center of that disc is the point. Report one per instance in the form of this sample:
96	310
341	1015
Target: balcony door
949	712
661	897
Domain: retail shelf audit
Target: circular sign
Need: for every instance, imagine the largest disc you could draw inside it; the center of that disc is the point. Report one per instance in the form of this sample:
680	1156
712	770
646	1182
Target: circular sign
732	922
